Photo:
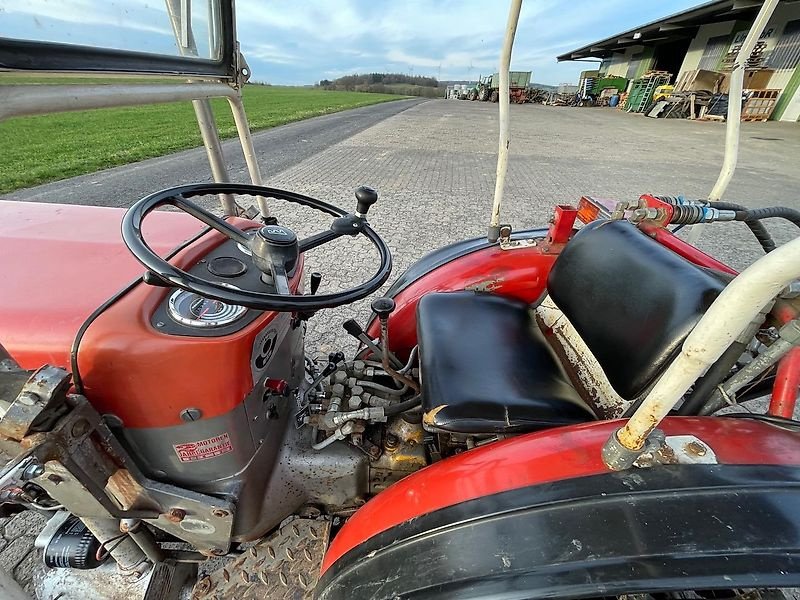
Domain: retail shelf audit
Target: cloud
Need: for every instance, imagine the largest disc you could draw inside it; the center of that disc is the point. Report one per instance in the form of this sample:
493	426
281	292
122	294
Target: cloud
303	41
133	15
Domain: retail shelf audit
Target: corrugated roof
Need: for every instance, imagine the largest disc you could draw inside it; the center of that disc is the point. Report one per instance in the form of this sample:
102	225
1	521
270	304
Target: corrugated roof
680	25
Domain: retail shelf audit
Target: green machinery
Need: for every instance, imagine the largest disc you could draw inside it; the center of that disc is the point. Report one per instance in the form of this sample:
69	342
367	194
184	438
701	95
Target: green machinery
488	86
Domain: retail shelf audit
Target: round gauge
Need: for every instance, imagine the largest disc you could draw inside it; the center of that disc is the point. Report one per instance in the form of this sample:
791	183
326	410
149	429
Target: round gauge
194	310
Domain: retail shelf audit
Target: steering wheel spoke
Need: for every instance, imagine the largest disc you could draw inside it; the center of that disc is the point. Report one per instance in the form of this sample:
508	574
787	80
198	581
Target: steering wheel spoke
210	219
275	249
350	225
280	279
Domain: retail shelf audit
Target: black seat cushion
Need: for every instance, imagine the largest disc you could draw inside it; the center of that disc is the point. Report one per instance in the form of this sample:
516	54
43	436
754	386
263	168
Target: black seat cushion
632	300
486	367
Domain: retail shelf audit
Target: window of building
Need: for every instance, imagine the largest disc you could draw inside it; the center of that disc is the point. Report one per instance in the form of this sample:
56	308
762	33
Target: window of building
715	48
786	54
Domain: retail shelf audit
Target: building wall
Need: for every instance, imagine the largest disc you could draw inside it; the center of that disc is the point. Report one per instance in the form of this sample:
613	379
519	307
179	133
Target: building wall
698	45
618	66
792	112
619	63
784	13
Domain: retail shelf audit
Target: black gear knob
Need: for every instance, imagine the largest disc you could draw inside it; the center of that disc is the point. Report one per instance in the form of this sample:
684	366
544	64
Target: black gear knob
383	307
365	197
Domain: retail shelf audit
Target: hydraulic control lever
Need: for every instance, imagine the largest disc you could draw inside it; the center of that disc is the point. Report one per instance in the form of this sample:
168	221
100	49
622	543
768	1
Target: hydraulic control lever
383	307
352	327
316	279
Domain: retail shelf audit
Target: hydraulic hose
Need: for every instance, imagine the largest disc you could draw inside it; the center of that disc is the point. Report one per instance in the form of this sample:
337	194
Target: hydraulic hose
706	385
402	407
758	229
781	212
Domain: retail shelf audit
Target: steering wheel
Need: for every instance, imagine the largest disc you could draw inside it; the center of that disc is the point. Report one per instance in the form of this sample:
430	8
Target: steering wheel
275	249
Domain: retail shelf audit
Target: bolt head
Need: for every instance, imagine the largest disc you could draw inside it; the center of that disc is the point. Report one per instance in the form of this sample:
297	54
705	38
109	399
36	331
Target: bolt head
33	471
188	415
80	428
175	515
696	448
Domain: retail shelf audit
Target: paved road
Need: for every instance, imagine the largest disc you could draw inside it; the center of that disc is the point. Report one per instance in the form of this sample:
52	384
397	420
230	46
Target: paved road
279	148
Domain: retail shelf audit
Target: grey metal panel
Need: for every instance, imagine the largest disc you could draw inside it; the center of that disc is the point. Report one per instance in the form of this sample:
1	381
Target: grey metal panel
715	48
633	65
786	54
244	428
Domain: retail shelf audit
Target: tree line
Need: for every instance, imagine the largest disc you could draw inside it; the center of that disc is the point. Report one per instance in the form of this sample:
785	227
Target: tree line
389	83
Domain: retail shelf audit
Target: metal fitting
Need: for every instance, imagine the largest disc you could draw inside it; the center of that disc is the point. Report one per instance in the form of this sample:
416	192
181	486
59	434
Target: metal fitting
791	332
791	291
32	471
616	456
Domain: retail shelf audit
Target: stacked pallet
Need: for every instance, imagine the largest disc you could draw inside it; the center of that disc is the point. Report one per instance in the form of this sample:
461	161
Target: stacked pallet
681	105
759	104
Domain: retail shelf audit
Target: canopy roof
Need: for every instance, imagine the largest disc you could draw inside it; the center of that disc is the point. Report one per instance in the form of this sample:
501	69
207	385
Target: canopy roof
674	27
203	45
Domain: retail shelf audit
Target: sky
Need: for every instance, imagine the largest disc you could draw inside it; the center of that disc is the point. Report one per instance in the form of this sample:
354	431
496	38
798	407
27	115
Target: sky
300	42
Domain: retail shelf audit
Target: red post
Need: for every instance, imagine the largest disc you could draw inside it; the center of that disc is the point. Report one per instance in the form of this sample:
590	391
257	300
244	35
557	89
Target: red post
787	383
562	224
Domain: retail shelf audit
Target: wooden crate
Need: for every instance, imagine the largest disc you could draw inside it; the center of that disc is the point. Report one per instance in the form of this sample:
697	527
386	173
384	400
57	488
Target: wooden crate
759	104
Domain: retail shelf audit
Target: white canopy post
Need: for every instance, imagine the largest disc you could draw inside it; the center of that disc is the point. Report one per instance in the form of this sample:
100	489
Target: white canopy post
505	130
733	124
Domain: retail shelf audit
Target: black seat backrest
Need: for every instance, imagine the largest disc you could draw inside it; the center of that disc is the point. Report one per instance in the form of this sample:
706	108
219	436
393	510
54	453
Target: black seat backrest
632	300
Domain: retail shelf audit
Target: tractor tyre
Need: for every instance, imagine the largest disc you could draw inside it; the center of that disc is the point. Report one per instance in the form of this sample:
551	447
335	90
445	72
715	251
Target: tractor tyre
483	95
18	556
495	96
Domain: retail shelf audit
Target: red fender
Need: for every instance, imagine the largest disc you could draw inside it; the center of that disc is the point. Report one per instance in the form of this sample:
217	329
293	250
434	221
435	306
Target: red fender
520	273
551	455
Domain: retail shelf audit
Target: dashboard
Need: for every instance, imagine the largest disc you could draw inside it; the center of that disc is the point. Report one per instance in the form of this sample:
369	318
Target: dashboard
189	314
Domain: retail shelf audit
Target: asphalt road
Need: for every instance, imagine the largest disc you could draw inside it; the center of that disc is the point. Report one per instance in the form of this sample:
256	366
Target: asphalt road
278	149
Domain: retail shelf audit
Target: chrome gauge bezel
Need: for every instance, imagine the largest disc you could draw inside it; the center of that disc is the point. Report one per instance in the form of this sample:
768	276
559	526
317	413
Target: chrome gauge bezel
230	314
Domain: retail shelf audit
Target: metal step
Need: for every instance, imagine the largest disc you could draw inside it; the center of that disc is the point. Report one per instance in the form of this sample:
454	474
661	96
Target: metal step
285	565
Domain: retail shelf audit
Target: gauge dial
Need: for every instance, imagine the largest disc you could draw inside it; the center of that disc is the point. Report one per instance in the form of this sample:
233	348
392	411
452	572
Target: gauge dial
194	310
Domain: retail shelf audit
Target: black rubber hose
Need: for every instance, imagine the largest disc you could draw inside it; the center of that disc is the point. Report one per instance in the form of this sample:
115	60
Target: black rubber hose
780	212
708	382
781	422
402	407
758	229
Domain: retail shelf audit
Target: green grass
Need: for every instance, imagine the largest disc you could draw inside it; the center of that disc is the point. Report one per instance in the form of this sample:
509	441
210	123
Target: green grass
46	148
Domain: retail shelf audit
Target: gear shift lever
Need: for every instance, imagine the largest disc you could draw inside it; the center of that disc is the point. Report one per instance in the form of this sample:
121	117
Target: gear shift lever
365	197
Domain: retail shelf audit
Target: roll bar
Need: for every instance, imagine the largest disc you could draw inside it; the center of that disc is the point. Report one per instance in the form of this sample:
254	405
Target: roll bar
198	86
505	141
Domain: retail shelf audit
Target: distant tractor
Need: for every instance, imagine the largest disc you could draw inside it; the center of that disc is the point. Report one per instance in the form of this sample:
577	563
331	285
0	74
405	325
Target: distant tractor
488	87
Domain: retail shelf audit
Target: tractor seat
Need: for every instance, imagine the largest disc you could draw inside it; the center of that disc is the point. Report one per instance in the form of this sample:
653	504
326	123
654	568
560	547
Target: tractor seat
487	369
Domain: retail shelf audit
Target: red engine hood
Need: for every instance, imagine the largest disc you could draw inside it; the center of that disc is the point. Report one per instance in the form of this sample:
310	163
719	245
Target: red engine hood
58	263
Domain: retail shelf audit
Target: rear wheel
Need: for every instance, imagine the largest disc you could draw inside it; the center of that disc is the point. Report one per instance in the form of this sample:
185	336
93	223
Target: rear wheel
495	96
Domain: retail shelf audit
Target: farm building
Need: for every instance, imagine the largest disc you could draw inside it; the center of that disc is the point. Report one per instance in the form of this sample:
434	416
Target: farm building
705	40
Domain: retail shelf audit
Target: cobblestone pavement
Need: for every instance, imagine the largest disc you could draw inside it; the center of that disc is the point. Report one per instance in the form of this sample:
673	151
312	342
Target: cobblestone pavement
434	166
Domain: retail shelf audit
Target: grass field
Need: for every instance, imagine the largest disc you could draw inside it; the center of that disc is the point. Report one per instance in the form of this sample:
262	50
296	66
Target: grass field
49	147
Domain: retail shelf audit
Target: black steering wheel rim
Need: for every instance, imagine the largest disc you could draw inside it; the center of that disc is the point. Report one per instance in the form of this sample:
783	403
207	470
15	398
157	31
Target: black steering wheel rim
178	197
